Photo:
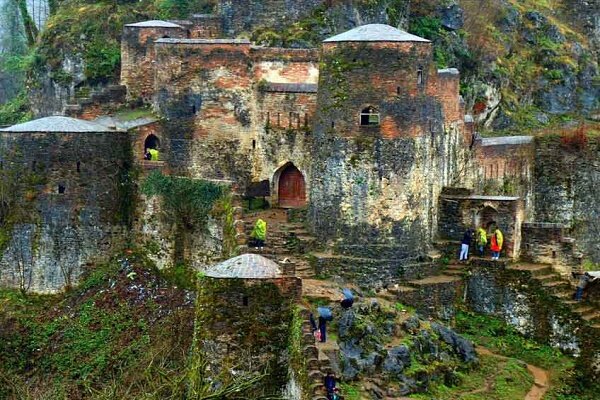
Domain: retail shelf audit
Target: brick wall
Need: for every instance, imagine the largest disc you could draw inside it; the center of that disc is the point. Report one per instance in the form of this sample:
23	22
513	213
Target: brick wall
506	168
137	56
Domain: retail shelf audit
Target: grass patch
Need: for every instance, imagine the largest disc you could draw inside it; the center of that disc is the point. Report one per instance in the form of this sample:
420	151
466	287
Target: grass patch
494	379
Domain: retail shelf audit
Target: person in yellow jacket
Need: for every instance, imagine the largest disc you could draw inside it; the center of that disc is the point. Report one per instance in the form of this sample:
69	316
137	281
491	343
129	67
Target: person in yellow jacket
496	244
481	239
259	234
153	154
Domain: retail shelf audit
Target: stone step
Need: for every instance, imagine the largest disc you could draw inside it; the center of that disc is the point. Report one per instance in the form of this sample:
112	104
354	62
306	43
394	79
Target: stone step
583	309
554	284
534	269
549	277
434	280
596	326
457	272
398	290
563	295
593	316
455	267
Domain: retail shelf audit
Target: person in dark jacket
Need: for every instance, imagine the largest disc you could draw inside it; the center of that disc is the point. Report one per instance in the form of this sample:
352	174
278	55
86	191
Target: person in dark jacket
323	329
465	243
348	299
329	383
313	323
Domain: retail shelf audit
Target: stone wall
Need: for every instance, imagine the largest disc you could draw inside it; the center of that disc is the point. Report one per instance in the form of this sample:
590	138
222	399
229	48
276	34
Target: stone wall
505	166
520	300
137	57
245	15
243	325
548	243
459	212
374	185
76	205
235	112
567	191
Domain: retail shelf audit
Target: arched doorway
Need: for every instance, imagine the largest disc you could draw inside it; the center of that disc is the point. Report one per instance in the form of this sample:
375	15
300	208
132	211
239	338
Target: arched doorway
486	216
291	187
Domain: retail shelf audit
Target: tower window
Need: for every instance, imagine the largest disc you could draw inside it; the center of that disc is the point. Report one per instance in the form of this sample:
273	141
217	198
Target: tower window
61	189
78	166
245	301
369	117
420	76
253	144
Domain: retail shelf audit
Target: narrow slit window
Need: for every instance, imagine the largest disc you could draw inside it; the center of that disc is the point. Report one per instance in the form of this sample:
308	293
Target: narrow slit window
245	301
420	76
61	189
253	144
369	117
78	166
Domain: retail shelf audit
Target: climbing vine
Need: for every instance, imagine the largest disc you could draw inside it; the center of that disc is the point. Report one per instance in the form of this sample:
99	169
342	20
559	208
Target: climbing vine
187	202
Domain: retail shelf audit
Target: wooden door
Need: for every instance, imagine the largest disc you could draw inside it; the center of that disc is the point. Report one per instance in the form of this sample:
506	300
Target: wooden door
292	188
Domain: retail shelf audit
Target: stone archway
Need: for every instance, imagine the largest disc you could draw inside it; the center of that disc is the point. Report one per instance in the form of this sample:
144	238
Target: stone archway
291	187
486	216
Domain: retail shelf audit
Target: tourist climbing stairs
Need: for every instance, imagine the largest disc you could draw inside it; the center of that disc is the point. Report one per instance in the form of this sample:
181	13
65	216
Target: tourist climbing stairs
562	289
317	363
288	242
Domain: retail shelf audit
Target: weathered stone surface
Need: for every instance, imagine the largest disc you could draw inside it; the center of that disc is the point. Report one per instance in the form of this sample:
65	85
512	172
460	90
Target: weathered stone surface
397	359
461	346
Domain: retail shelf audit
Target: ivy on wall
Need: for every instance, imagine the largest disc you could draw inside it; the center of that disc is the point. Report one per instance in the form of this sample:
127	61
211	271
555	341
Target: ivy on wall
187	202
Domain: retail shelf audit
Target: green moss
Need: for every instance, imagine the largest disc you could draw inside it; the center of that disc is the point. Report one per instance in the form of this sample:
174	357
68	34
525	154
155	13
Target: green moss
16	110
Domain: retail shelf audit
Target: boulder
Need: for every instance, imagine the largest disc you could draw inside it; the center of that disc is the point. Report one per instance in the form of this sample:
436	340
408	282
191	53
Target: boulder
452	17
397	359
460	345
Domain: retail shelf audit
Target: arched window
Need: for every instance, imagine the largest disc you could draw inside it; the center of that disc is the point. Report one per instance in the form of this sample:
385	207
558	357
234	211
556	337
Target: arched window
369	117
151	147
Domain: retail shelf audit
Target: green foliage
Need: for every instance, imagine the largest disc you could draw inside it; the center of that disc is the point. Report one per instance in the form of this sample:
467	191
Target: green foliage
350	391
494	379
180	9
181	275
102	60
507	341
16	110
426	27
187	202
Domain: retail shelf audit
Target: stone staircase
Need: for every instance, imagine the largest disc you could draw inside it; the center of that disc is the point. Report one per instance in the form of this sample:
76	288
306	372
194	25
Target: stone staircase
317	363
562	290
287	242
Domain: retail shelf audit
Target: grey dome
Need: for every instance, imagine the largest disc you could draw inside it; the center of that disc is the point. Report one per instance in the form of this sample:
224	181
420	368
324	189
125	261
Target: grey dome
375	33
246	266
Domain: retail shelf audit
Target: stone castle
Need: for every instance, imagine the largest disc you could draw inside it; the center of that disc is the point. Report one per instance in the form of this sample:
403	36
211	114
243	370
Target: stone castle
365	133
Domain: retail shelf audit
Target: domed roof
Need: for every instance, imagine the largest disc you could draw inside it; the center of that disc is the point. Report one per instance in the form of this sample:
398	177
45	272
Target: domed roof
375	33
58	124
246	266
155	24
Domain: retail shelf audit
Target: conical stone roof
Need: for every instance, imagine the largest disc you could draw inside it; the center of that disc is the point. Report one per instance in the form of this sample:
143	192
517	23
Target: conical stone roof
58	124
155	24
246	266
375	33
